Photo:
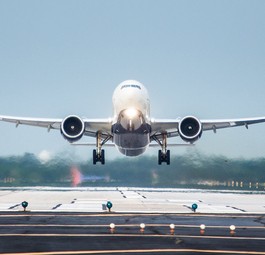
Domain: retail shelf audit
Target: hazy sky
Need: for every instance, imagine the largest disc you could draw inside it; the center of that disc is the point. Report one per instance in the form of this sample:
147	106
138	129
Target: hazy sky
205	58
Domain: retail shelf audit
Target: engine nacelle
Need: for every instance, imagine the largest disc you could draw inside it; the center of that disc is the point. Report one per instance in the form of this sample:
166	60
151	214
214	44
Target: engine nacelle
190	129
72	128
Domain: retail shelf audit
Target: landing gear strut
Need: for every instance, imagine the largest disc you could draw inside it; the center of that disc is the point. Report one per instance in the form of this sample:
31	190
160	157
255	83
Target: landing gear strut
164	154
99	153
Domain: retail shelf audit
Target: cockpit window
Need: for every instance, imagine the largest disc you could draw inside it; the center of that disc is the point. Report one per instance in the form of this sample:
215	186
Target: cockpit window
131	86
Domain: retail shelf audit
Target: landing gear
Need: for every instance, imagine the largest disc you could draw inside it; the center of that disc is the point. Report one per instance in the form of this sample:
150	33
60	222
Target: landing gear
163	157
164	154
99	153
99	157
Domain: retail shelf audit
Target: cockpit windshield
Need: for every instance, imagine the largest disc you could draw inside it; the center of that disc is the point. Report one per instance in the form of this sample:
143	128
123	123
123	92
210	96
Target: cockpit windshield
130	86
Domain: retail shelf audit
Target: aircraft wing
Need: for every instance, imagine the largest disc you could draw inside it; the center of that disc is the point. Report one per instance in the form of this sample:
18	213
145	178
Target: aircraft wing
39	122
92	126
226	123
170	126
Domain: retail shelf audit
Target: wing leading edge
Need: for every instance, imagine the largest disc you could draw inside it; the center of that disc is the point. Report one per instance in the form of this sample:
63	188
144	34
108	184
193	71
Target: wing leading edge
92	126
226	123
171	126
38	122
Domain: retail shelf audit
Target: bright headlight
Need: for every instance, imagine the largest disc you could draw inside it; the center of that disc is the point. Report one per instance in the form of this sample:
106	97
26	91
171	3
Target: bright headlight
131	113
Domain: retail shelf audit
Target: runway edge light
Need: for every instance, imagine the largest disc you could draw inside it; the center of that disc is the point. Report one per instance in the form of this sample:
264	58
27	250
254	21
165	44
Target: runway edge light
109	205
194	207
25	205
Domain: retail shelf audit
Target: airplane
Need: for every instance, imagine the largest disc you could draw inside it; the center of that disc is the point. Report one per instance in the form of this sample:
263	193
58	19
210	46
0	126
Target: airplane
131	129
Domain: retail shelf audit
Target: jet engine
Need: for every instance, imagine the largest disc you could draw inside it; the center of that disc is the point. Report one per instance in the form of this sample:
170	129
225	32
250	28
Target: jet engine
190	129
72	128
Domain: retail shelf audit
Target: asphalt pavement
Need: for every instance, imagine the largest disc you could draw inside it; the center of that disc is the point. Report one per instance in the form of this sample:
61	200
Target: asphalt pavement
133	233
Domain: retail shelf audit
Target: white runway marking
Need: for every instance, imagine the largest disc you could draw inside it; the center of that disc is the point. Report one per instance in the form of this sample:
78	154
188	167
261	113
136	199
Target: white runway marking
132	200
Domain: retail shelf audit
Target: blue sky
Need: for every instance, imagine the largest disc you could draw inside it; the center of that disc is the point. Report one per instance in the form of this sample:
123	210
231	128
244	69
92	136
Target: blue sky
205	58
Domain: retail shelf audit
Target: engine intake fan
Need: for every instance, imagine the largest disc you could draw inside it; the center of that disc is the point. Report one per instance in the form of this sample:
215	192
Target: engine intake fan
72	128
190	129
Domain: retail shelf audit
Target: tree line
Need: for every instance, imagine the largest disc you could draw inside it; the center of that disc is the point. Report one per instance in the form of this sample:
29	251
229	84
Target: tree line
189	169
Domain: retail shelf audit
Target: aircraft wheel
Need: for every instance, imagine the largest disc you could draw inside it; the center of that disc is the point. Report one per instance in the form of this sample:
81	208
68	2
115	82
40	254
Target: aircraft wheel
103	157
94	157
168	157
159	157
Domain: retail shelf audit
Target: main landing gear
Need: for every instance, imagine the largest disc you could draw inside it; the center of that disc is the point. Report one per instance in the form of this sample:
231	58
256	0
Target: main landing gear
163	157
98	156
99	153
163	154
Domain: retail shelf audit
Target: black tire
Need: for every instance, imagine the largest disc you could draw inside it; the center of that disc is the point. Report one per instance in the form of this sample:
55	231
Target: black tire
103	157
94	157
159	157
168	157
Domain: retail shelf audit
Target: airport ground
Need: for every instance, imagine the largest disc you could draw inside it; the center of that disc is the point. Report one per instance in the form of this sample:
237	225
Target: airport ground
72	221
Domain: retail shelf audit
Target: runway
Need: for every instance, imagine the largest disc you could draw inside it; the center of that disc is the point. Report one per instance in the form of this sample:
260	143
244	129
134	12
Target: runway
86	233
66	221
134	200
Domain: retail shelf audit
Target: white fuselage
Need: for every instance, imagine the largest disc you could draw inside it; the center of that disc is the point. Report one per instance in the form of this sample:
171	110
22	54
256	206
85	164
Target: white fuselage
131	124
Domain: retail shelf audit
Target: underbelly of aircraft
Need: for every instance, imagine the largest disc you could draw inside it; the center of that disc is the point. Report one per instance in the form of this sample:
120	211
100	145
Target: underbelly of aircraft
131	143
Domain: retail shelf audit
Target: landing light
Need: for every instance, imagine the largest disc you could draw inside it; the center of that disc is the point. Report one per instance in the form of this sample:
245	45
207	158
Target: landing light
131	112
